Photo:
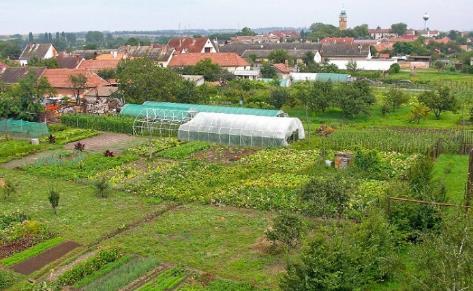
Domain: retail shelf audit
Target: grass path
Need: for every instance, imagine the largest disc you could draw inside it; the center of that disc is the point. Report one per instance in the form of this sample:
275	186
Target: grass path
452	170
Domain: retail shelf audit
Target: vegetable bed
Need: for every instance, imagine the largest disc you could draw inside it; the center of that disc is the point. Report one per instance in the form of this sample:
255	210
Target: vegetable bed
31	252
166	280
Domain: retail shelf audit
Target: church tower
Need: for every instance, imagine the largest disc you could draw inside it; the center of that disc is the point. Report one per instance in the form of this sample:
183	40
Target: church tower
343	23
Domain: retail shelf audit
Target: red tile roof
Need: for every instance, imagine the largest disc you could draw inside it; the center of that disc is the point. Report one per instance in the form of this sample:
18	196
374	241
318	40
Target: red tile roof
188	44
61	78
97	65
282	68
221	59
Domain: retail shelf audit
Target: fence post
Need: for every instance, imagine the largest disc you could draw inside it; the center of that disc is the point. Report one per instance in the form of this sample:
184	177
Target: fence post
469	187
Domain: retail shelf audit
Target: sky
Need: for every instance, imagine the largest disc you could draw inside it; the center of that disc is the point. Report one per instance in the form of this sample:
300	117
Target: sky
39	16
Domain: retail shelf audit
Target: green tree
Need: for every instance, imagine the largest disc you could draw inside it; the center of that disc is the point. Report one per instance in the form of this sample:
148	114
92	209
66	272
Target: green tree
107	74
141	80
361	31
278	97
351	258
278	56
327	196
439	101
399	28
287	229
321	30
444	261
209	70
309	58
53	198
246	31
79	83
102	187
355	98
268	71
394	98
394	69
94	38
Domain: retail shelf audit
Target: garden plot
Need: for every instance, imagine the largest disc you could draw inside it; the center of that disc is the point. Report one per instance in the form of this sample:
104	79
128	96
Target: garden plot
35	263
225	155
109	141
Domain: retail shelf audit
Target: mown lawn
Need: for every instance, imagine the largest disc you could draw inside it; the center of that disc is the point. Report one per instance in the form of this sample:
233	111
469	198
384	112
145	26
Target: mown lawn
222	241
82	216
452	170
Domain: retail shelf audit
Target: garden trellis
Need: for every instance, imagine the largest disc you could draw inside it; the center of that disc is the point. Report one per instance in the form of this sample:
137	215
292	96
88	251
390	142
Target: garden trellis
23	128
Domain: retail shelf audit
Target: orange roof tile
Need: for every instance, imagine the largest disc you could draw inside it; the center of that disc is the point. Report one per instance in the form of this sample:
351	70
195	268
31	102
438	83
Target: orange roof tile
282	68
97	65
61	78
221	59
110	56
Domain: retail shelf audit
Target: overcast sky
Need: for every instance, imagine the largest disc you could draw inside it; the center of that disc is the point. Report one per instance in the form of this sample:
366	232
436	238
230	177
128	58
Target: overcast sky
39	16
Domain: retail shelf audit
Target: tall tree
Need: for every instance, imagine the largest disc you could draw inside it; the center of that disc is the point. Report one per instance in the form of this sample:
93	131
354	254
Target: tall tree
79	83
30	37
399	28
439	100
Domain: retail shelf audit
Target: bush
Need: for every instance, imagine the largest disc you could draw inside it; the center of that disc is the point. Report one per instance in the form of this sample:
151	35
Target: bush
394	98
7	279
101	187
80	271
327	196
287	229
353	257
394	69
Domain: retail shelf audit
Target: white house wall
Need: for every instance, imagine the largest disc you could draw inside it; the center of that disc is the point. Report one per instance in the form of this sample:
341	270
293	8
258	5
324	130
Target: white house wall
365	65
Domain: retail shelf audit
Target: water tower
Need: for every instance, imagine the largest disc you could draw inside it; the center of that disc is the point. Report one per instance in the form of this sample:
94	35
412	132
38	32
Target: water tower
426	18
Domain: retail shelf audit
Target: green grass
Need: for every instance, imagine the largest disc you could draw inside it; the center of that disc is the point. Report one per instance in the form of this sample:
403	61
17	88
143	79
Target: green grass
183	151
123	275
219	285
167	280
82	217
7	279
215	240
431	76
452	170
31	252
103	271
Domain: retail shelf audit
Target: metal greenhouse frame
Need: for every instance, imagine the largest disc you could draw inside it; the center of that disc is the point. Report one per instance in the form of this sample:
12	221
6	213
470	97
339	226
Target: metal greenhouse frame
160	122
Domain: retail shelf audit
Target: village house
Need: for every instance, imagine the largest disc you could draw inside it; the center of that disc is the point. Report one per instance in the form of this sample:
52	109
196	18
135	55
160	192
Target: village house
68	61
282	70
40	51
160	54
60	80
335	40
382	33
13	75
184	45
229	61
99	65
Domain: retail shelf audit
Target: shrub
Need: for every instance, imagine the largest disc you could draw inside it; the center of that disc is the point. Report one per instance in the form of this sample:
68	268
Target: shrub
353	257
80	271
394	98
54	199
394	69
287	229
7	279
108	154
101	187
327	196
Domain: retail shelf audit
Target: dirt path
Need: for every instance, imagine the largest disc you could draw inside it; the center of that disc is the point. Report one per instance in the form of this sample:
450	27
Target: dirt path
28	160
55	274
115	142
35	263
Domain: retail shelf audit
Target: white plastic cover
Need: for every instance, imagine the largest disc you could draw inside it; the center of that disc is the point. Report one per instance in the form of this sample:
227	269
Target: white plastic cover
243	130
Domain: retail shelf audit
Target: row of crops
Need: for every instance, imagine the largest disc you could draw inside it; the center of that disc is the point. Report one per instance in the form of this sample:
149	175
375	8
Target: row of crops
393	140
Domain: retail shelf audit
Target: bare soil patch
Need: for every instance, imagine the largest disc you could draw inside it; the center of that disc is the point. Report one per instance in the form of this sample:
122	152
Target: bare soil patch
225	155
29	266
115	142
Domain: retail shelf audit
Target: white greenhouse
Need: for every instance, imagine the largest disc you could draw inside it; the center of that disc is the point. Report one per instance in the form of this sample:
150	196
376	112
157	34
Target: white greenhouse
242	130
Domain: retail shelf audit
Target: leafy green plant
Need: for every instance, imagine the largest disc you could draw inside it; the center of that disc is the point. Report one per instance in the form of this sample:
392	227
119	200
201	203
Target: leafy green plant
7	279
184	150
112	123
123	275
82	270
102	271
166	280
31	252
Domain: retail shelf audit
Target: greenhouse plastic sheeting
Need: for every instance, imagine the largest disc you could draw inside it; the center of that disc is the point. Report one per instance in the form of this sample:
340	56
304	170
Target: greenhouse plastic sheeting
242	130
215	109
23	128
155	113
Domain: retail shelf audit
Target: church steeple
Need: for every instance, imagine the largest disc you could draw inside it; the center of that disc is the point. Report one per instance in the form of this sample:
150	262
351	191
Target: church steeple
343	22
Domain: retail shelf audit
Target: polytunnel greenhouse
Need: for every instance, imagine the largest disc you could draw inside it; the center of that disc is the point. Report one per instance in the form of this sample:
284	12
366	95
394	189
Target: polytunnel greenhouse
215	109
242	130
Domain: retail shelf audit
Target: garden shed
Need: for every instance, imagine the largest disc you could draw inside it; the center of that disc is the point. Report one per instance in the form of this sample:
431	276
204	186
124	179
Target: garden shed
242	130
